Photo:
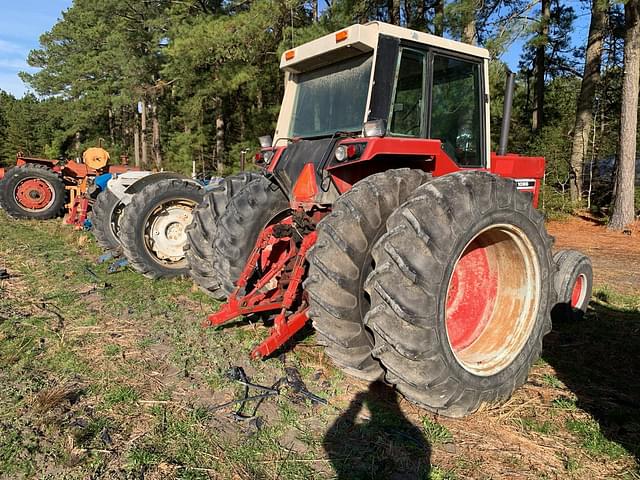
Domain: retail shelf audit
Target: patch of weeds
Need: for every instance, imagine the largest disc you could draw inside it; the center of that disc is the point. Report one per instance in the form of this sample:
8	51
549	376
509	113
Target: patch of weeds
112	350
146	343
593	439
571	464
123	394
437	473
435	432
565	403
551	381
67	362
620	301
532	425
540	362
141	458
288	414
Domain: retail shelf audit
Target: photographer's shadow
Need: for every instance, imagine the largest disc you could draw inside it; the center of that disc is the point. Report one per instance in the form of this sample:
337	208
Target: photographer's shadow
373	439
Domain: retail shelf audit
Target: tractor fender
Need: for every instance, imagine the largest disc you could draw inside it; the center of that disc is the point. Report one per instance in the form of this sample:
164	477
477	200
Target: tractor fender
154	178
118	184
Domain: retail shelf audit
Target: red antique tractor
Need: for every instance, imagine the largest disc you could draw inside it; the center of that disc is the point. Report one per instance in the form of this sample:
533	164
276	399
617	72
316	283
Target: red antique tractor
42	188
384	219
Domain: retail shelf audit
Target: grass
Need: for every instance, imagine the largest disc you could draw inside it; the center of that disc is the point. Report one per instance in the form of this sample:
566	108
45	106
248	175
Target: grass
112	376
435	432
593	439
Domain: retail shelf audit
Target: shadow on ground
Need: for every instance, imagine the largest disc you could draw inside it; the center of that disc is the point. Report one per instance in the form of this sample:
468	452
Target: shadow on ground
598	359
373	439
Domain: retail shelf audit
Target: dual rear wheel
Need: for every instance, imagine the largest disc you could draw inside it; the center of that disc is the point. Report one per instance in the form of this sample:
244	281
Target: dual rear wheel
457	288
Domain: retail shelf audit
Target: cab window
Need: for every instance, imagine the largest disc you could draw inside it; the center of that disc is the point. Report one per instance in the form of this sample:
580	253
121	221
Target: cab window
456	117
407	114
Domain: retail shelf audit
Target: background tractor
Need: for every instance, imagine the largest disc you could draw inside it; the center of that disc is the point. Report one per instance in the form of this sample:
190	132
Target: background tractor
143	216
42	188
384	219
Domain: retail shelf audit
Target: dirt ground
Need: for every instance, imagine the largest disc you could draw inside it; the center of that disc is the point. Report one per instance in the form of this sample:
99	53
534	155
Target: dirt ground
615	256
112	377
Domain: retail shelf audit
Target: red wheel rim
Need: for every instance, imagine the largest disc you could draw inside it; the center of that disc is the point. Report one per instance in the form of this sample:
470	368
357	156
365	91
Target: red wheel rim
579	291
471	297
34	194
492	299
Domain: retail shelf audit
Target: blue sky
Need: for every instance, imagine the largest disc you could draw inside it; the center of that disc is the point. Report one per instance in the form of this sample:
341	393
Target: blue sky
23	21
21	24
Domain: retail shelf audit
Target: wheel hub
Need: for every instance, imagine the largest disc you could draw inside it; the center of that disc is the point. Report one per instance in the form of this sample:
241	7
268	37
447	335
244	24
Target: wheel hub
166	231
492	299
579	291
34	194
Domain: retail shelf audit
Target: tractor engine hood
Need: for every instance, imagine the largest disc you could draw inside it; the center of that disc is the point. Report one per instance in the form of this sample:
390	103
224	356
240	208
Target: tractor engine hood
296	157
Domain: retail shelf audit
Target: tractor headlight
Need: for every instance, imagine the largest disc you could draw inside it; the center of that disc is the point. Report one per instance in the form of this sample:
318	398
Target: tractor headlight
267	156
341	153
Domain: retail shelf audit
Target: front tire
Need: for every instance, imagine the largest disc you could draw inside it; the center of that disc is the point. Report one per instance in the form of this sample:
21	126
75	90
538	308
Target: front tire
32	191
574	283
254	207
461	293
153	227
201	234
106	213
341	260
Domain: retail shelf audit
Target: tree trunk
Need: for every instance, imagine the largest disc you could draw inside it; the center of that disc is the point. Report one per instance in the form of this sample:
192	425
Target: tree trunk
136	142
623	205
314	7
469	33
438	18
112	133
156	147
584	109
143	134
219	148
543	34
394	11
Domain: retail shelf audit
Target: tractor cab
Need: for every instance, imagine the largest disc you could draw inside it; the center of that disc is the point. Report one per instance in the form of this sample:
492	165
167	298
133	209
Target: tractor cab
377	96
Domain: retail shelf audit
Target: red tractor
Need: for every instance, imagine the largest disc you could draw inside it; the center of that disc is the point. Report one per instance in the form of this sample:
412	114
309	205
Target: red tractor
384	219
41	188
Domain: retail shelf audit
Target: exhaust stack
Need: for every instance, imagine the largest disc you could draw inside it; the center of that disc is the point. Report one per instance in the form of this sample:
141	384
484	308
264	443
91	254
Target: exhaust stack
506	112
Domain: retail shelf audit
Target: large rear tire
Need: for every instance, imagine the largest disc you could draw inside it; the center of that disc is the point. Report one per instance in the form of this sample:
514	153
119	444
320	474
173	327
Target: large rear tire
254	207
152	230
341	260
201	234
461	293
32	191
105	216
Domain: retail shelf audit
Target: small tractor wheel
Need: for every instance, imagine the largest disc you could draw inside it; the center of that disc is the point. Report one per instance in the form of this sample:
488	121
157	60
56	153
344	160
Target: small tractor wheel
250	210
32	191
105	216
461	293
341	260
573	282
201	233
152	229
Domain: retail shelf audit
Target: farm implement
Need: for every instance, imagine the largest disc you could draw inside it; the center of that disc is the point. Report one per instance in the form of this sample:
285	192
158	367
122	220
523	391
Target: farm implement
40	188
383	218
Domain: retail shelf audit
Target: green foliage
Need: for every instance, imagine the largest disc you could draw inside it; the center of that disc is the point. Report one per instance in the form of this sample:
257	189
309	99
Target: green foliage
207	74
593	439
436	433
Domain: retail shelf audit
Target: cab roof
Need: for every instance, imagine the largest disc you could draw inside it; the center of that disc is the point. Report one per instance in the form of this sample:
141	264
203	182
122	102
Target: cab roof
357	39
